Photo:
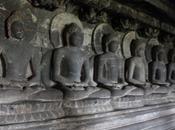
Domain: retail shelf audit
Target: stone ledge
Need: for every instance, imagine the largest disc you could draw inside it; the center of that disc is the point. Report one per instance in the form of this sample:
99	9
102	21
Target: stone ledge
158	117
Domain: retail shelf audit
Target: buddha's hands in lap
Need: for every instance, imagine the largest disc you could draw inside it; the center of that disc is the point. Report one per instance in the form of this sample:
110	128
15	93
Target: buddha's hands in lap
77	85
115	85
80	84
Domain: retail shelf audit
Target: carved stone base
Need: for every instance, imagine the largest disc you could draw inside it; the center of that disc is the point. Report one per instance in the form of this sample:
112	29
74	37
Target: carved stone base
127	102
154	99
87	106
158	117
30	112
171	97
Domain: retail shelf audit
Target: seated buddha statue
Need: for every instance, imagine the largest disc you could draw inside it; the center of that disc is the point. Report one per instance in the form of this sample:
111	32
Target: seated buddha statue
18	54
171	70
71	67
136	68
110	67
158	71
171	67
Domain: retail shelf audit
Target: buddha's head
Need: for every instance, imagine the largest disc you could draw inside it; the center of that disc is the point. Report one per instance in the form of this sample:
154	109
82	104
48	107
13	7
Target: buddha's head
158	53
74	35
111	43
138	48
17	30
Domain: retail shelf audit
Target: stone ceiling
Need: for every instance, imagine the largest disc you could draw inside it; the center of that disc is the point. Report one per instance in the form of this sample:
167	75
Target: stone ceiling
161	9
156	13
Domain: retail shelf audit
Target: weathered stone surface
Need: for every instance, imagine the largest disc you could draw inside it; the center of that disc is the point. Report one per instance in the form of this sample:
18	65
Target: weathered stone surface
127	102
87	106
84	65
149	118
30	112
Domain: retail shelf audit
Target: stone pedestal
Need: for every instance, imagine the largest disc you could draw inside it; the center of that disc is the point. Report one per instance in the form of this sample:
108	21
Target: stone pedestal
25	112
87	106
158	117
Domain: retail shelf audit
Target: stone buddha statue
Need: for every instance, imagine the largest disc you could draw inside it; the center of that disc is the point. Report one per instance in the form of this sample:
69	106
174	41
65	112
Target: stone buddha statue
171	67
158	71
159	88
111	67
71	67
136	67
17	55
171	70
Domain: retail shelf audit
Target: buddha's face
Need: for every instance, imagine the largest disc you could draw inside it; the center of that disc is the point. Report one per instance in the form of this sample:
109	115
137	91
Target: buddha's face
161	56
140	51
113	46
76	39
17	30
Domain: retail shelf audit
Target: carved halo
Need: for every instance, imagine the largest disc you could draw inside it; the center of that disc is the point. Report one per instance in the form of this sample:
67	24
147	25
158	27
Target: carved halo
58	24
25	16
150	44
98	33
14	17
126	43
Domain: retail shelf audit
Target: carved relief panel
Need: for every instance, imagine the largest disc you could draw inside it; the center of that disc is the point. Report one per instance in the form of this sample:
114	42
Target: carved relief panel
82	61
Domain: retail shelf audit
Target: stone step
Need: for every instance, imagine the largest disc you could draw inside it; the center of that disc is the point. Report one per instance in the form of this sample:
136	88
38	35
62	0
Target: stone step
165	126
156	124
